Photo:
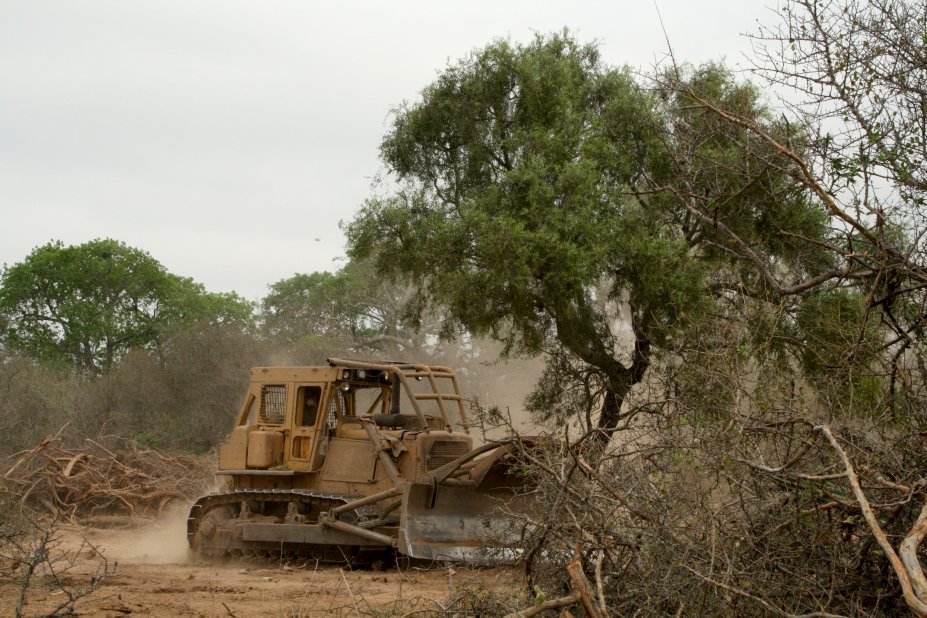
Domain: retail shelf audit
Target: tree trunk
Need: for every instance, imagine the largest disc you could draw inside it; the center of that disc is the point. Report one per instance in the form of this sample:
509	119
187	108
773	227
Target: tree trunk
610	412
620	381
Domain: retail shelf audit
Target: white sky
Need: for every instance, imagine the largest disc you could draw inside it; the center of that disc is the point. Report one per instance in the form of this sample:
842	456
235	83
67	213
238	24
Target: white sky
225	137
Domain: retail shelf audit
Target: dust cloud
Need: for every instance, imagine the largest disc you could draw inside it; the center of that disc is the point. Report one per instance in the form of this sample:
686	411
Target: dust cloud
504	384
485	377
163	541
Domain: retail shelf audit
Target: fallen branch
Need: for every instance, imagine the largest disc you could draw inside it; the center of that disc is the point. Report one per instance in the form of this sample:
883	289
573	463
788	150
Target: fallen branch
584	588
916	600
768	606
566	601
78	483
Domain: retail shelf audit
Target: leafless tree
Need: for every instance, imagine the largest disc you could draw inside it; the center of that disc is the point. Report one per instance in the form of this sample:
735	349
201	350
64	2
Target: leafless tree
32	549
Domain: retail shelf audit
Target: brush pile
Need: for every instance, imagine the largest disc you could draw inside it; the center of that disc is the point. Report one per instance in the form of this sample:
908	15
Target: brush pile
95	482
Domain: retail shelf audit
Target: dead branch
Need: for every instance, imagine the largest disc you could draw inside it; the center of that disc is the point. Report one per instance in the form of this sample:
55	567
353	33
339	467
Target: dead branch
584	588
914	600
908	552
768	606
566	601
78	483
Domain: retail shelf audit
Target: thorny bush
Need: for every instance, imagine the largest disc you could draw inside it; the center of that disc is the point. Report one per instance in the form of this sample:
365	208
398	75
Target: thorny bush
37	567
724	492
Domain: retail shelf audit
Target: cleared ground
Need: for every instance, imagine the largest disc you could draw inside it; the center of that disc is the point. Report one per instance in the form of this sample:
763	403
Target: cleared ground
155	577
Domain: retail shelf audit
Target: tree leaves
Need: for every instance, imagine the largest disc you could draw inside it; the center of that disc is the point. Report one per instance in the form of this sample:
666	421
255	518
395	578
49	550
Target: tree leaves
86	305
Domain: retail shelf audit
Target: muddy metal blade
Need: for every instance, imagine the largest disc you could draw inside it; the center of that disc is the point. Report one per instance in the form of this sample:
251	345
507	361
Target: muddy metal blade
458	524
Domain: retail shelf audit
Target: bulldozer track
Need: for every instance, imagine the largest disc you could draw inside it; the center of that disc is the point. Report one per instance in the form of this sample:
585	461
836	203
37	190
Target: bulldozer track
235	496
313	501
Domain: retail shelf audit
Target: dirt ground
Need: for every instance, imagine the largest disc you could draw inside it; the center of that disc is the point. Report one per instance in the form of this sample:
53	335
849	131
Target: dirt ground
154	576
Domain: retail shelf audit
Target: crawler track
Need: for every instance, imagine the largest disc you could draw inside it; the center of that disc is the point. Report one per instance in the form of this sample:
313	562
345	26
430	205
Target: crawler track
212	517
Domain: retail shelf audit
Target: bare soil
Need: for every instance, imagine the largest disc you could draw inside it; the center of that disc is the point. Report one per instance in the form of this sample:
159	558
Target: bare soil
155	576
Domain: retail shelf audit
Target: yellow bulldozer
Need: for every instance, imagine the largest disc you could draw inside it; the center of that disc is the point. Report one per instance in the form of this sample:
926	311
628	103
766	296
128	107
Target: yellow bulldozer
348	460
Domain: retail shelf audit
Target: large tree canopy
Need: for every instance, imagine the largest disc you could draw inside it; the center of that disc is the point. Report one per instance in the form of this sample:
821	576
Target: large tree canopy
87	304
532	205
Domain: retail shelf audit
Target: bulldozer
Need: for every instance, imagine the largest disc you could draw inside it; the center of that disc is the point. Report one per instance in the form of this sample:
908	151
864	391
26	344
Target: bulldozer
353	459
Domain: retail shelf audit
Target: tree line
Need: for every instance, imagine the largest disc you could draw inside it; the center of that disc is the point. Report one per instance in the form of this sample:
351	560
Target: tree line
86	306
103	337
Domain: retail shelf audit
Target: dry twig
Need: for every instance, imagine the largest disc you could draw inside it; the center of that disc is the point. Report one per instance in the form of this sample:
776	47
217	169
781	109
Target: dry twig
77	483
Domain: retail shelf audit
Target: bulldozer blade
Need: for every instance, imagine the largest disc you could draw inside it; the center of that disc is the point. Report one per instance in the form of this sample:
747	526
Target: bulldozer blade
458	523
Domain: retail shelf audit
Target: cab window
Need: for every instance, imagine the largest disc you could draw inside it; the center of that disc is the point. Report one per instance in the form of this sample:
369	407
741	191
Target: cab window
309	398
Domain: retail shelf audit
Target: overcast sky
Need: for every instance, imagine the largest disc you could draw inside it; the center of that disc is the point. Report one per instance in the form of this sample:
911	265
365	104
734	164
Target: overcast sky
229	138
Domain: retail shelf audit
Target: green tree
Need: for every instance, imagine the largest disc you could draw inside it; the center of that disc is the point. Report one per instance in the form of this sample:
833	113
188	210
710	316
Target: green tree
85	305
323	313
532	206
855	147
301	306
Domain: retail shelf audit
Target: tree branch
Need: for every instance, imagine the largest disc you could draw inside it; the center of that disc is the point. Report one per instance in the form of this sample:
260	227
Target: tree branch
912	598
